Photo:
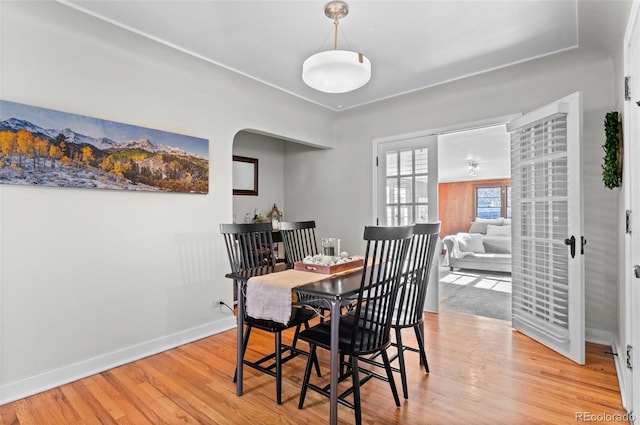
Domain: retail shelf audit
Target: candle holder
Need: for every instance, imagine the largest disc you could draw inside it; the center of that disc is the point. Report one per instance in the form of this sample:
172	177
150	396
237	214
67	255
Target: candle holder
331	246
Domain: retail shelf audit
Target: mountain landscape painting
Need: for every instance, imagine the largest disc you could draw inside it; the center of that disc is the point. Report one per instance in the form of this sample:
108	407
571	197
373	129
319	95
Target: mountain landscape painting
45	147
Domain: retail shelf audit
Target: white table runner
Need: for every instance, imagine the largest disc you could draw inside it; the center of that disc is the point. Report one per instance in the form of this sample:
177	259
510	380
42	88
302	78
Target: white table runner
269	296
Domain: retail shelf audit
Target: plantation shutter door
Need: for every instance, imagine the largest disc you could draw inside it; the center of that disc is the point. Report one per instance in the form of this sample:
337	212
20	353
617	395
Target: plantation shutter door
547	272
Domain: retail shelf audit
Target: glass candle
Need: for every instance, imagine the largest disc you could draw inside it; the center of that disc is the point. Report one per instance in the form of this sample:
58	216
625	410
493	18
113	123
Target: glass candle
331	246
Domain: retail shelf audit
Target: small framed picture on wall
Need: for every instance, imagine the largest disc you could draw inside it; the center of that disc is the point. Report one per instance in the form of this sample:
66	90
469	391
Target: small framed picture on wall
245	176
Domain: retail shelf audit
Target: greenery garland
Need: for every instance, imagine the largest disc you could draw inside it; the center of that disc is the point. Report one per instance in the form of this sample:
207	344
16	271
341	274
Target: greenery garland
612	167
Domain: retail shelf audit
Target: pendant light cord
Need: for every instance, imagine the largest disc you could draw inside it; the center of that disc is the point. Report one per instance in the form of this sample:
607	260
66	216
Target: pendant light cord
336	22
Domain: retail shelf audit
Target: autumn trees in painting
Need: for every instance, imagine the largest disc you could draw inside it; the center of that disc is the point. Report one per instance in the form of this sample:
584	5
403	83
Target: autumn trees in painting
30	154
24	145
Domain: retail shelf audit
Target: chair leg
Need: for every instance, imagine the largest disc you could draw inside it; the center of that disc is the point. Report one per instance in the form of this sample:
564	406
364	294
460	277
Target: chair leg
356	389
392	383
247	332
403	370
278	367
316	363
423	353
342	363
307	374
315	360
295	334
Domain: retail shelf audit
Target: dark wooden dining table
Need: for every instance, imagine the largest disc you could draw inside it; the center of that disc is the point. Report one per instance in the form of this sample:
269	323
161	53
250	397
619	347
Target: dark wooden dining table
334	291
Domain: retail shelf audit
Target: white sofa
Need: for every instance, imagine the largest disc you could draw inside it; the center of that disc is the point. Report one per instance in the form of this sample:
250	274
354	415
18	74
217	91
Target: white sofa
486	246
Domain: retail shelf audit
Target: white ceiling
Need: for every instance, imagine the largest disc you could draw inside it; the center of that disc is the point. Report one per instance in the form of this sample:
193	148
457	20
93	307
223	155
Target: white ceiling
489	147
411	44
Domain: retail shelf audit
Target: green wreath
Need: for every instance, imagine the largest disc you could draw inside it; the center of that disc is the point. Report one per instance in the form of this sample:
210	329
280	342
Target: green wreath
612	167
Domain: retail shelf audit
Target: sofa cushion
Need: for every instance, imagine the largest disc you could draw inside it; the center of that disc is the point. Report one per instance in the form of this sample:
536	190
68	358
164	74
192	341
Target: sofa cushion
470	242
498	230
489	262
493	258
497	244
496	221
480	225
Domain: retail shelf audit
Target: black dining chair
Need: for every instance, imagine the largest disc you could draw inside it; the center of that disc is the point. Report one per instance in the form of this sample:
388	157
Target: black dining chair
249	246
299	240
412	293
367	330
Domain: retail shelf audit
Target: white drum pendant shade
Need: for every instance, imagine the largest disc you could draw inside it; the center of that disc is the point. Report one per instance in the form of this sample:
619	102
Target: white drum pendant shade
336	71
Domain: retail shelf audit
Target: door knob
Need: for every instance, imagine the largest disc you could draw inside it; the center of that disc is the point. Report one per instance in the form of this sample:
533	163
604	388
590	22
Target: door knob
571	243
636	271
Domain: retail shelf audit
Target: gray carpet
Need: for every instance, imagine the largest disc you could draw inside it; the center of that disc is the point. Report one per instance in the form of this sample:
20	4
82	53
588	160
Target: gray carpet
475	292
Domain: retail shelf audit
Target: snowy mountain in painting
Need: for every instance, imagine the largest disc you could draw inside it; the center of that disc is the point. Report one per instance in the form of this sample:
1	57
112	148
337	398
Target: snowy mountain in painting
149	146
14	124
74	137
102	143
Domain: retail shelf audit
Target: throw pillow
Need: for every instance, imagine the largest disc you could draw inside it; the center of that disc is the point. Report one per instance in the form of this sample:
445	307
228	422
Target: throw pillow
495	221
471	242
506	222
480	225
498	230
476	227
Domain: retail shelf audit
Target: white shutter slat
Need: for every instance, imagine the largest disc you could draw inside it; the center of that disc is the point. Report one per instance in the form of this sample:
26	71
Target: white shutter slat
540	290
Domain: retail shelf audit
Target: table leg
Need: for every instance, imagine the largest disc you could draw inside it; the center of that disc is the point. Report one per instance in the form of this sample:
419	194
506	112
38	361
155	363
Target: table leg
335	361
240	339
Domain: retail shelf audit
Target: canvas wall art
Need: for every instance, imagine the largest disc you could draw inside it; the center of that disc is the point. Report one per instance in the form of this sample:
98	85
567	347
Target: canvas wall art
44	147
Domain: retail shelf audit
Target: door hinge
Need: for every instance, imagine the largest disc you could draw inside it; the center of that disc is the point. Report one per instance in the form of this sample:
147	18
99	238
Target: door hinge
628	222
629	358
627	88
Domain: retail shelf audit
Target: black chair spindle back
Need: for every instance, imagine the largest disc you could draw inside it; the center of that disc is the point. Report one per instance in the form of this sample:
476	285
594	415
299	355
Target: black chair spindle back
299	240
414	283
385	255
248	245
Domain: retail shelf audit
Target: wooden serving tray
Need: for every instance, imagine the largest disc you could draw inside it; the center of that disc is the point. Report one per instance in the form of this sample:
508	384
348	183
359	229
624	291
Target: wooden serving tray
356	262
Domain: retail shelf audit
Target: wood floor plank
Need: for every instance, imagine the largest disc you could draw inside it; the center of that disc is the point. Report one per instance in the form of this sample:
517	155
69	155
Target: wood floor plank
138	406
482	372
24	415
96	386
81	405
169	378
39	410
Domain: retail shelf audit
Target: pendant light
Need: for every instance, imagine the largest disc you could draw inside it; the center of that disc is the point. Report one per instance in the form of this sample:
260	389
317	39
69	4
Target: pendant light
336	71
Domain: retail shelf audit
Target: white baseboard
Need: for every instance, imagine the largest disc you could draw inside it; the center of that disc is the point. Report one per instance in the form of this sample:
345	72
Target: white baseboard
600	337
25	387
609	339
622	374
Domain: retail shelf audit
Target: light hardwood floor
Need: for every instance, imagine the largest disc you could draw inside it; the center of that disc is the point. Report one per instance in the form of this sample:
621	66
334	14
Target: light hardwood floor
482	372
